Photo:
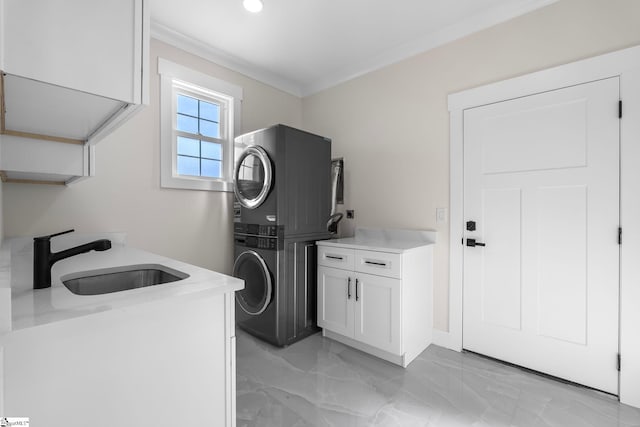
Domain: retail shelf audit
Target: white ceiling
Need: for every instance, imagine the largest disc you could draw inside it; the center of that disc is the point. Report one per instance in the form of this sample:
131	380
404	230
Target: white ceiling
304	46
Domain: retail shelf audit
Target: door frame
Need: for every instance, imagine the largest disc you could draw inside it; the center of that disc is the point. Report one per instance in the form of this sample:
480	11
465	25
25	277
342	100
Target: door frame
624	64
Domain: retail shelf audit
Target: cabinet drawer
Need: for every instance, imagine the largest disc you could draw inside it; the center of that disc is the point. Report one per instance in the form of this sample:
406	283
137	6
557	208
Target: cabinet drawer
335	257
378	263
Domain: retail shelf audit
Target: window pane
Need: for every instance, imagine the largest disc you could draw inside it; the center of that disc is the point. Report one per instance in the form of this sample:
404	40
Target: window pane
209	111
211	168
208	128
211	150
187	124
188	166
187	105
188	146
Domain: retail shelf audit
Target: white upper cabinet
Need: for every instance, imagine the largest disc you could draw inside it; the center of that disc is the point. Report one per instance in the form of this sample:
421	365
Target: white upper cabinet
92	46
72	72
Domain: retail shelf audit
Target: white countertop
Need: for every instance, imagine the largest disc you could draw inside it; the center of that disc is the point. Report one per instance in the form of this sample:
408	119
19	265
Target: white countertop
31	307
384	240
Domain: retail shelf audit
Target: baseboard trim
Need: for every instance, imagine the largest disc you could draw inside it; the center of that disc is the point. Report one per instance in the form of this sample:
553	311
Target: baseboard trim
443	339
385	355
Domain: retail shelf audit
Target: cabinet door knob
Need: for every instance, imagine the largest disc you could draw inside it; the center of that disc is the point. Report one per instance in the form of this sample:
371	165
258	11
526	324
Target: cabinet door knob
356	289
349	288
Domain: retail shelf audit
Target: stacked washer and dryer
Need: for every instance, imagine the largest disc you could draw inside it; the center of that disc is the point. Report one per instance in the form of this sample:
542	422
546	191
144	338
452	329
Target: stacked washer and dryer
282	185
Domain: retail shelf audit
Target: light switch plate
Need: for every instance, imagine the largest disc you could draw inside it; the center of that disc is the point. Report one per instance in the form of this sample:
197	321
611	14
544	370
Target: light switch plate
441	215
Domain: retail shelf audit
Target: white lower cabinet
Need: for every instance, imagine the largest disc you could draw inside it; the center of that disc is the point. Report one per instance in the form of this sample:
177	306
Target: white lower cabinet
151	363
365	308
378	302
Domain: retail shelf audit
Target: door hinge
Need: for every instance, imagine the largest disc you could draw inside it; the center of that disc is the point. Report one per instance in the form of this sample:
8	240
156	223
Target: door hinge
620	109
619	235
618	363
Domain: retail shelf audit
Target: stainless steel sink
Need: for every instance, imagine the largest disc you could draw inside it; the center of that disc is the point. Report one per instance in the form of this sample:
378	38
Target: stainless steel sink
107	280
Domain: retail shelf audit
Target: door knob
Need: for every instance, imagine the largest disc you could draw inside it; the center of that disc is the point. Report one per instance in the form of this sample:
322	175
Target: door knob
472	243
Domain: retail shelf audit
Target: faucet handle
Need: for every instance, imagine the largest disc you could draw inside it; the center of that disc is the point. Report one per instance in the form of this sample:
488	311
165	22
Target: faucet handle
53	235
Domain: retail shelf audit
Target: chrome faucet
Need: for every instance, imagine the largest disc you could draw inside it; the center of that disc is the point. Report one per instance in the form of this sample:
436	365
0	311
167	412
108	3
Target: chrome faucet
43	258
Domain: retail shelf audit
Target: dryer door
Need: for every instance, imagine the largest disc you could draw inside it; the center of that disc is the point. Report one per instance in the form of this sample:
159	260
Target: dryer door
252	177
258	287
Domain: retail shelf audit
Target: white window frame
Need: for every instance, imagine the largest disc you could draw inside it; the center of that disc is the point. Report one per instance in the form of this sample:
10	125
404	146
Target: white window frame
222	101
174	79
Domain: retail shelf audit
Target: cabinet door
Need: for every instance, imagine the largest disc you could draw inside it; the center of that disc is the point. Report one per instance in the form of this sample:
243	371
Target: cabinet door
335	300
92	46
377	312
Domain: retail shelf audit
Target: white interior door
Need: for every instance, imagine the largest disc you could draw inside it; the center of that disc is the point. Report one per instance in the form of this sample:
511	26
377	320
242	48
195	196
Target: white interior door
541	183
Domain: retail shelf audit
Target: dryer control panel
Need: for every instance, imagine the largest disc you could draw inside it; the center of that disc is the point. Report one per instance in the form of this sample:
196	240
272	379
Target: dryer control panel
257	242
258	236
258	229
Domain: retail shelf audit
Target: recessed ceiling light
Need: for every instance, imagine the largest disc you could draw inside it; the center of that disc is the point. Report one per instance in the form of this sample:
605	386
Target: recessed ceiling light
253	6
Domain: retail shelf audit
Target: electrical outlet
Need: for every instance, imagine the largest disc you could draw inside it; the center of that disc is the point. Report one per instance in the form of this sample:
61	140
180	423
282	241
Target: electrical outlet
350	214
441	215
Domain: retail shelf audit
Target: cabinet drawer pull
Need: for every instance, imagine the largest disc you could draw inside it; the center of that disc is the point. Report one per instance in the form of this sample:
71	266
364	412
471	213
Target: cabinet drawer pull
356	289
339	258
376	263
349	288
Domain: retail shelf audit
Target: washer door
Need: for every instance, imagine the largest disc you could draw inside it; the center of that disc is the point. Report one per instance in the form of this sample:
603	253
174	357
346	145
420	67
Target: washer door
256	295
252	177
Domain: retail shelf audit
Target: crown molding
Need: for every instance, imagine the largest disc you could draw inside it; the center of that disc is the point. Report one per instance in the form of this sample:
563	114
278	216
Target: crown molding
430	41
470	25
220	57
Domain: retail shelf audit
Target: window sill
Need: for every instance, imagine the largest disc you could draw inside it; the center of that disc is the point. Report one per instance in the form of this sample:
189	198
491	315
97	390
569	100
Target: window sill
186	183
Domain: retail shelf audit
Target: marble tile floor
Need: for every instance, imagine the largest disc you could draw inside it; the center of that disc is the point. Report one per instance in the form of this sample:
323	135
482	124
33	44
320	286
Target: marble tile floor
319	382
